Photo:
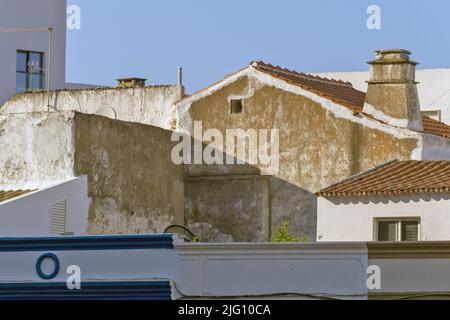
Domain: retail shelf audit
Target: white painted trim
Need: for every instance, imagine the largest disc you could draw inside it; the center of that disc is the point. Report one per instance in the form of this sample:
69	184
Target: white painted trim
214	88
369	109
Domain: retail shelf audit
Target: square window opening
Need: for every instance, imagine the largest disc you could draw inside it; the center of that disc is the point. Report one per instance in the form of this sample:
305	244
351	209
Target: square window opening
236	106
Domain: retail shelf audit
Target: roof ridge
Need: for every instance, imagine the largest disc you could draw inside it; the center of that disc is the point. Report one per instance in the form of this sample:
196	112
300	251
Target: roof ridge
307	76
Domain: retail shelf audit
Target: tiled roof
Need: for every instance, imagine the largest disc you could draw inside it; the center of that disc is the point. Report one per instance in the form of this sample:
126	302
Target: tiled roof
339	92
396	177
335	90
11	194
435	127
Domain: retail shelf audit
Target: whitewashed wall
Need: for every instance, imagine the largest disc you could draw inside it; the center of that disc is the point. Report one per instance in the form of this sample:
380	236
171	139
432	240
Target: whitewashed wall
29	215
31	14
352	218
150	105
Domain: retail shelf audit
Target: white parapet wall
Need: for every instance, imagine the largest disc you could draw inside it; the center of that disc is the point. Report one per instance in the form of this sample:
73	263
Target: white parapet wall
272	271
116	266
147	105
411	270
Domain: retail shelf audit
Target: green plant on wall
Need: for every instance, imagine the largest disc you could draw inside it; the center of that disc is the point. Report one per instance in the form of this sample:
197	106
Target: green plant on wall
282	234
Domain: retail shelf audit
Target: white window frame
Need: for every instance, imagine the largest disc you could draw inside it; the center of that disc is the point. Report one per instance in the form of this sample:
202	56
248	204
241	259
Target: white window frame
398	221
435	114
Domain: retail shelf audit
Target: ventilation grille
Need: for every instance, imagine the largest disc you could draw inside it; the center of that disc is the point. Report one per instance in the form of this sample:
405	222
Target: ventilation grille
58	216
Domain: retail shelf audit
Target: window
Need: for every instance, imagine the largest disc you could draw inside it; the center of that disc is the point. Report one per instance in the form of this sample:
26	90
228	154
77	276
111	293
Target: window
433	114
395	230
236	106
30	71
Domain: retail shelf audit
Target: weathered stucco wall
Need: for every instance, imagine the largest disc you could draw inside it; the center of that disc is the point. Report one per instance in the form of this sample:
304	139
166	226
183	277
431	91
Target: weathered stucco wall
134	186
149	105
36	148
319	145
228	208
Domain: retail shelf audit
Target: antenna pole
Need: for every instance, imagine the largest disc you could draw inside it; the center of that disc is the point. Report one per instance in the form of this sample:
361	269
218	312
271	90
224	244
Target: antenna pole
180	76
49	67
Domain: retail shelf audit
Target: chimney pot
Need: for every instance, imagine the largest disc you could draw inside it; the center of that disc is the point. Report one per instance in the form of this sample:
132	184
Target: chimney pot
131	82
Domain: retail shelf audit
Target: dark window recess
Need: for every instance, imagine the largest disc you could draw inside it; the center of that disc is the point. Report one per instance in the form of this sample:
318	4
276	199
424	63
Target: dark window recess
236	106
387	231
29	71
398	230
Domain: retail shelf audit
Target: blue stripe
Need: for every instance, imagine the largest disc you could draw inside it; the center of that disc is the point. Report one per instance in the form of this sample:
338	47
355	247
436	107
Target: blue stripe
136	290
128	242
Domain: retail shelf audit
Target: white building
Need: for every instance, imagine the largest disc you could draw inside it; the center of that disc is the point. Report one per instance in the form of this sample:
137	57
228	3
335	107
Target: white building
401	201
24	55
46	209
433	88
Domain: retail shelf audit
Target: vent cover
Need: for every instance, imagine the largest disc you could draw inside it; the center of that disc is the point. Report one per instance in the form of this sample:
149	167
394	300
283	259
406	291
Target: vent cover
58	218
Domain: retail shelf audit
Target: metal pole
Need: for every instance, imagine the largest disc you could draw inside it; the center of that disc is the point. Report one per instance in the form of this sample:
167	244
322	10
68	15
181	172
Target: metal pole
49	67
180	76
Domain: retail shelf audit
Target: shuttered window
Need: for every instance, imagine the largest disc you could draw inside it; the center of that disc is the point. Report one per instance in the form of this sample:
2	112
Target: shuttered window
410	230
394	230
58	217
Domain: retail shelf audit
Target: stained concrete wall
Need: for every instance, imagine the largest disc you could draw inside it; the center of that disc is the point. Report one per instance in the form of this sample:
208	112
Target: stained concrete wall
133	185
228	208
150	105
319	145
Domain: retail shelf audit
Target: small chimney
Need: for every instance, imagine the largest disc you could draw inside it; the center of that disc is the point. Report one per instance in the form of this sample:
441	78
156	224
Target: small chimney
392	92
131	82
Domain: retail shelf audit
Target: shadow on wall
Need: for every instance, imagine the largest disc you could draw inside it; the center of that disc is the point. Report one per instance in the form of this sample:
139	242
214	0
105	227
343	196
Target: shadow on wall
236	203
414	198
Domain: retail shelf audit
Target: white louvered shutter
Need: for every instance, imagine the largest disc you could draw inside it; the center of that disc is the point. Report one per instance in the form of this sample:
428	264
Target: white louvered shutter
58	218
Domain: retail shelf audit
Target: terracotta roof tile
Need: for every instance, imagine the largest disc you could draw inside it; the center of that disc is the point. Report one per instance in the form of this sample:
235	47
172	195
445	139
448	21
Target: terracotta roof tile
340	92
395	177
11	194
435	127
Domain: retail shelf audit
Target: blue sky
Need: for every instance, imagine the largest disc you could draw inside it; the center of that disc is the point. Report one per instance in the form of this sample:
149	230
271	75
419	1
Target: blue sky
210	38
